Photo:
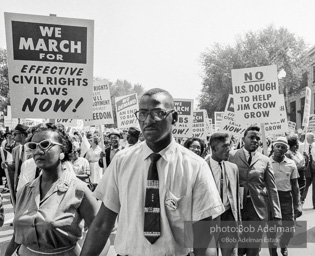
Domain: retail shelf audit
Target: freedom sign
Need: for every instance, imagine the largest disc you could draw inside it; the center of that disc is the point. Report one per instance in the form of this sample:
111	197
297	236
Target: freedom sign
50	61
183	127
126	106
102	105
199	124
255	92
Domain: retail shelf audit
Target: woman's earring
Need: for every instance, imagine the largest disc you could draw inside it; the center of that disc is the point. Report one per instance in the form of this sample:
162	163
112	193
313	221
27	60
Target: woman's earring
61	156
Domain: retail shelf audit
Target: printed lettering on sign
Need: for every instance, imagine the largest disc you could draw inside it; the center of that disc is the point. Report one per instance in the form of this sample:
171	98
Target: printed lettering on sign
255	92
183	127
50	66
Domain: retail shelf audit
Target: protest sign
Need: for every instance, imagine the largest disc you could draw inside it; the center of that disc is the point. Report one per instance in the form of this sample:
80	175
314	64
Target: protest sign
291	126
281	127
307	106
255	92
183	127
199	124
31	122
209	127
8	120
77	123
102	105
126	106
50	61
311	124
228	123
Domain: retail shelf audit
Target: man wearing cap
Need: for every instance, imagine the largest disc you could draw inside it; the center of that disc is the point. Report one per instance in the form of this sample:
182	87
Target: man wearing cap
286	177
110	152
160	190
258	183
19	154
133	136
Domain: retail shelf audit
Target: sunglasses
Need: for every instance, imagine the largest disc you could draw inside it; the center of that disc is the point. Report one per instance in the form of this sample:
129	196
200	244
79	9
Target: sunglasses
44	145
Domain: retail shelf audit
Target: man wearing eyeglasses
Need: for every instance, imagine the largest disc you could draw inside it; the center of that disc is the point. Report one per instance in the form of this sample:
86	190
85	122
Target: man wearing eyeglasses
154	186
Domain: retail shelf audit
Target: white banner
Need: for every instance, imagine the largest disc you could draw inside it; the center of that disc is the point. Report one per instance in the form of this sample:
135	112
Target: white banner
50	61
102	105
255	92
199	124
307	106
126	106
183	127
228	124
281	127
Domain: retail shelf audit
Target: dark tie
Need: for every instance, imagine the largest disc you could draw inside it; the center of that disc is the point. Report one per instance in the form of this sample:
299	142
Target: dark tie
20	162
152	225
310	155
221	181
250	159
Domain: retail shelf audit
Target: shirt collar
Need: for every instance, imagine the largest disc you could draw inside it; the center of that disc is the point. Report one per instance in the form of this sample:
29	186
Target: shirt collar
64	180
247	153
285	159
165	153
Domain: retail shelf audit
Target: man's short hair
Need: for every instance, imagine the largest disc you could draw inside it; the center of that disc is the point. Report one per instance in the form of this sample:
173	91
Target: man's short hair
252	128
216	138
154	91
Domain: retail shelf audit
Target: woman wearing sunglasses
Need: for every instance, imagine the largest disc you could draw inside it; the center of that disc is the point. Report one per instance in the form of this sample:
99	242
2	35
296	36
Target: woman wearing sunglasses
50	208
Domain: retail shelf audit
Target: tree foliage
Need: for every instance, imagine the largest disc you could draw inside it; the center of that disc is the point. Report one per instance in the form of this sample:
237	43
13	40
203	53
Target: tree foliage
269	46
4	80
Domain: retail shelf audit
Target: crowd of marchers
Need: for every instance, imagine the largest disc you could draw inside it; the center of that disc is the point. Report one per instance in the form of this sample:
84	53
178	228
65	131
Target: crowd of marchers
160	195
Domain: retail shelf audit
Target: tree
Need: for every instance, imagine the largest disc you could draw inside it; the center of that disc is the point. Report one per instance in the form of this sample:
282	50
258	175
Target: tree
269	46
4	80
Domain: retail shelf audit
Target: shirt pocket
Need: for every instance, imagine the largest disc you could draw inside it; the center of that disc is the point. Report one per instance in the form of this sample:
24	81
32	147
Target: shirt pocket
174	206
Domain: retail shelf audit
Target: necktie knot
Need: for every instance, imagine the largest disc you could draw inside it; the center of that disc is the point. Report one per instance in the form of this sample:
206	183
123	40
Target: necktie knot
155	157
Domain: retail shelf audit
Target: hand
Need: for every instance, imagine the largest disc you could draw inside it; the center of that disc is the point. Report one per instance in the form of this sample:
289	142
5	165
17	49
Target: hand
298	211
278	220
4	165
103	154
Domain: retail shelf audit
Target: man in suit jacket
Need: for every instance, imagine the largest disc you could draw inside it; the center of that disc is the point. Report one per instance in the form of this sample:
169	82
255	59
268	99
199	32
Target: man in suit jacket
258	180
18	154
110	152
226	178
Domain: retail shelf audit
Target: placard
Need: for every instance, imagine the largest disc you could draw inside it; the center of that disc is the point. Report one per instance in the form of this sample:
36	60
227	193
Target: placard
256	92
199	124
50	62
102	105
125	108
183	127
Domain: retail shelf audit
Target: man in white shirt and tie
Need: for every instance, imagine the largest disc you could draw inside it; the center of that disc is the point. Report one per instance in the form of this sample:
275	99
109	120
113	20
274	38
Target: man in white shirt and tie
226	178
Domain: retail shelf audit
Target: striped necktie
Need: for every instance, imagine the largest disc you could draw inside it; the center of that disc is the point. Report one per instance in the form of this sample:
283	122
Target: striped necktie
152	225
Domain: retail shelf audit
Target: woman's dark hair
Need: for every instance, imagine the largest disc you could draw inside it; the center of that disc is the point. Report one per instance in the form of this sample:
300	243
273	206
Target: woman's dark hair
190	141
293	140
63	138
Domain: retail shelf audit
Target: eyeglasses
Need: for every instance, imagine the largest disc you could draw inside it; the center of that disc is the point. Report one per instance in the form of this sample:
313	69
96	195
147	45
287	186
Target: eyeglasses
45	145
156	114
195	147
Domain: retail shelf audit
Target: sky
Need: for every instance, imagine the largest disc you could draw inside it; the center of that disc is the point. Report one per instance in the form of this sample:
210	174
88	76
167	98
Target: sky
159	43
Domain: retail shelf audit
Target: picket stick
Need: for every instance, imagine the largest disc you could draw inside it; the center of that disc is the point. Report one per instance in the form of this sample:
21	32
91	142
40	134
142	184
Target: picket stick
101	128
265	147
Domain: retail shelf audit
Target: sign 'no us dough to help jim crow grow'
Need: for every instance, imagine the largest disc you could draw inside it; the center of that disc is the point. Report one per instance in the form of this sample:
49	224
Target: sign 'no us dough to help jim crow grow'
50	61
256	94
